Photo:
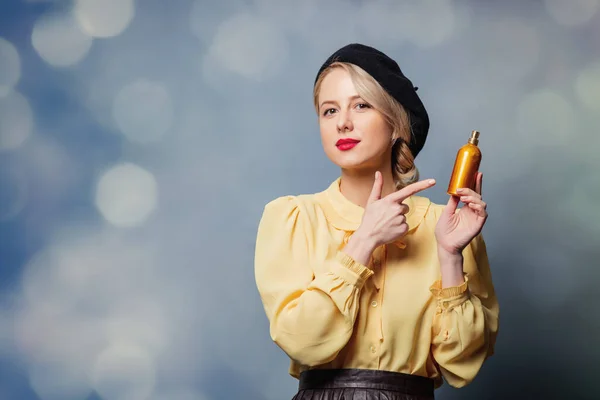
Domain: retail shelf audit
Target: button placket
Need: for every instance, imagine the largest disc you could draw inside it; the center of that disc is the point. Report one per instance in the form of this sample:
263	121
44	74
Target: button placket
377	302
375	328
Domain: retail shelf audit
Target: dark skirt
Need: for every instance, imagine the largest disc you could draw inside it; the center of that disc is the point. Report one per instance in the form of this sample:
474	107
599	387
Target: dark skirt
362	384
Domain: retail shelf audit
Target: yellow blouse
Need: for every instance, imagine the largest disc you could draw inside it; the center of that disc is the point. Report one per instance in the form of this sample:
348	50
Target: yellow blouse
328	311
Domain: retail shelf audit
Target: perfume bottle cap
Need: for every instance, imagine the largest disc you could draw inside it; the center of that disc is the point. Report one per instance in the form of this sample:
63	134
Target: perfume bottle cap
474	139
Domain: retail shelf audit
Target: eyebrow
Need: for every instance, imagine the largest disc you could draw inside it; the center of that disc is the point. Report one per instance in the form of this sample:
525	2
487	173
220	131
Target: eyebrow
335	102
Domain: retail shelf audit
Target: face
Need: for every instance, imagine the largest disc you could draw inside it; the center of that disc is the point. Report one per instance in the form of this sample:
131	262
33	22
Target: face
354	135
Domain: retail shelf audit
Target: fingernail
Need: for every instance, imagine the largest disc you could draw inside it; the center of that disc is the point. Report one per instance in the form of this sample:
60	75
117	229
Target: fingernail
432	181
459	190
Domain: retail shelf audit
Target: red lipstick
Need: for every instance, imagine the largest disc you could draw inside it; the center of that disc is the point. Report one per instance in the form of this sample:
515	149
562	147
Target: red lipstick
346	144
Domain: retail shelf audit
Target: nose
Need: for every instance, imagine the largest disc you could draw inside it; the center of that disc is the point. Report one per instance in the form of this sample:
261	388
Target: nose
344	123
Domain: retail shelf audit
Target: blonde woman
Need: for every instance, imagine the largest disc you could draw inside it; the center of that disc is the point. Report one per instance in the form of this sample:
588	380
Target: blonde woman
372	290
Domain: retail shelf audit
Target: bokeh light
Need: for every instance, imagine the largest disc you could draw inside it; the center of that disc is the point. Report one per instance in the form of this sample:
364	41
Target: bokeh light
13	193
59	40
433	22
587	86
124	371
111	350
130	323
545	118
55	382
573	12
510	52
104	18
16	121
422	23
204	18
10	70
126	195
249	46
143	111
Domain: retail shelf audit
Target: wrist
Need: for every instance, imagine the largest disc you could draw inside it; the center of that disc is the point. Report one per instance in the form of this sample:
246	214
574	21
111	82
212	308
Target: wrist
360	246
366	238
446	256
451	268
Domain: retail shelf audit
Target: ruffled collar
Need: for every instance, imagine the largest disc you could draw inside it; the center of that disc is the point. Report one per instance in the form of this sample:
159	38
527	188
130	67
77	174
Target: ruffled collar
347	216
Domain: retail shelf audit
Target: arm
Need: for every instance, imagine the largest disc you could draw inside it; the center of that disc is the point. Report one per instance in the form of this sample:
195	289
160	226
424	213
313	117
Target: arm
311	308
465	325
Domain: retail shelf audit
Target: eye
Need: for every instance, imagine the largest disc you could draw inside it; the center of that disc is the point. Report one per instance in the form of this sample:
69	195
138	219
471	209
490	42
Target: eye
363	105
327	111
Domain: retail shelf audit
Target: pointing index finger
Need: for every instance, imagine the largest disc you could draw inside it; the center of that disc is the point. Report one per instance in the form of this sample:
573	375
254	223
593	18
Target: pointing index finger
411	189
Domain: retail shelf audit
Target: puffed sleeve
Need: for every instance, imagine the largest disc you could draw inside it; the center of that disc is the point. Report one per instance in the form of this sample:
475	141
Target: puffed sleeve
311	308
465	325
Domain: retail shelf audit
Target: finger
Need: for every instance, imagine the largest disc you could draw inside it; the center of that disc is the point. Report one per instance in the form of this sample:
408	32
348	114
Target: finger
468	192
411	189
405	209
480	209
402	228
402	208
473	199
451	205
377	188
478	182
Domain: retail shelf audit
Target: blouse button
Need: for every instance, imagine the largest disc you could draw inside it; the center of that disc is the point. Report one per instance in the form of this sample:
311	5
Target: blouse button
373	349
374	303
445	304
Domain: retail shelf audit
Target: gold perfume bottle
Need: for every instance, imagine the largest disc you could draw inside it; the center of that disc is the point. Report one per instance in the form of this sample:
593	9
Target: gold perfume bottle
466	166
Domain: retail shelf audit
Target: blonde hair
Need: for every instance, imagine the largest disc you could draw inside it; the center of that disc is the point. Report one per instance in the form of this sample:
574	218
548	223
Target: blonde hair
403	161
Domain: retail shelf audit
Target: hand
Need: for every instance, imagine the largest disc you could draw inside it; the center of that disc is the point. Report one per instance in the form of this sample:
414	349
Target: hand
455	230
384	219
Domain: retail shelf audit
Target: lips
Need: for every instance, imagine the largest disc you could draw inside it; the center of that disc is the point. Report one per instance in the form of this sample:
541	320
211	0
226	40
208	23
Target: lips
346	144
346	141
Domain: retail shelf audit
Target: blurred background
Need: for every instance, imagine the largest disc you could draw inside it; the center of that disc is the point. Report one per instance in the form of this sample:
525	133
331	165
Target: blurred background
140	141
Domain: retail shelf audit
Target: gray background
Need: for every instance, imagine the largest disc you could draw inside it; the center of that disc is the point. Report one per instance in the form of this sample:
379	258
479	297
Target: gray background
139	142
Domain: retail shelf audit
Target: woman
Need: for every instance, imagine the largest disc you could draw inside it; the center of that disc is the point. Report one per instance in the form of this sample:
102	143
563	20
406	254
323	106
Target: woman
373	291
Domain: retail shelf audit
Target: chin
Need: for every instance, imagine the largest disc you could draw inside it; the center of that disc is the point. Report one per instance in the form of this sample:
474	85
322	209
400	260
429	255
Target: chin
351	162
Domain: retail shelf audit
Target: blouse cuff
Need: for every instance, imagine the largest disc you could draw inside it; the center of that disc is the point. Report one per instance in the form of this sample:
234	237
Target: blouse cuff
450	296
351	270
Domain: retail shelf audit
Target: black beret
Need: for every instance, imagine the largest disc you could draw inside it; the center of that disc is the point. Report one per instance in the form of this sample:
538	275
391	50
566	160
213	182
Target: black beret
387	72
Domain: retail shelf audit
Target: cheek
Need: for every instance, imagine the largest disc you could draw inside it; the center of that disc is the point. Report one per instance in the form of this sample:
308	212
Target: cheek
377	132
327	129
384	132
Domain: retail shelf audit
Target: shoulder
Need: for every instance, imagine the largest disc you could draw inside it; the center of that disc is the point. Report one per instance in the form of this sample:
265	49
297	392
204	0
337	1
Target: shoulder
293	203
288	218
295	207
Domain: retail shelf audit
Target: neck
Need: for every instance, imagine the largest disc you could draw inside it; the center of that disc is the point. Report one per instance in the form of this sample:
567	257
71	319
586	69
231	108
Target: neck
356	185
